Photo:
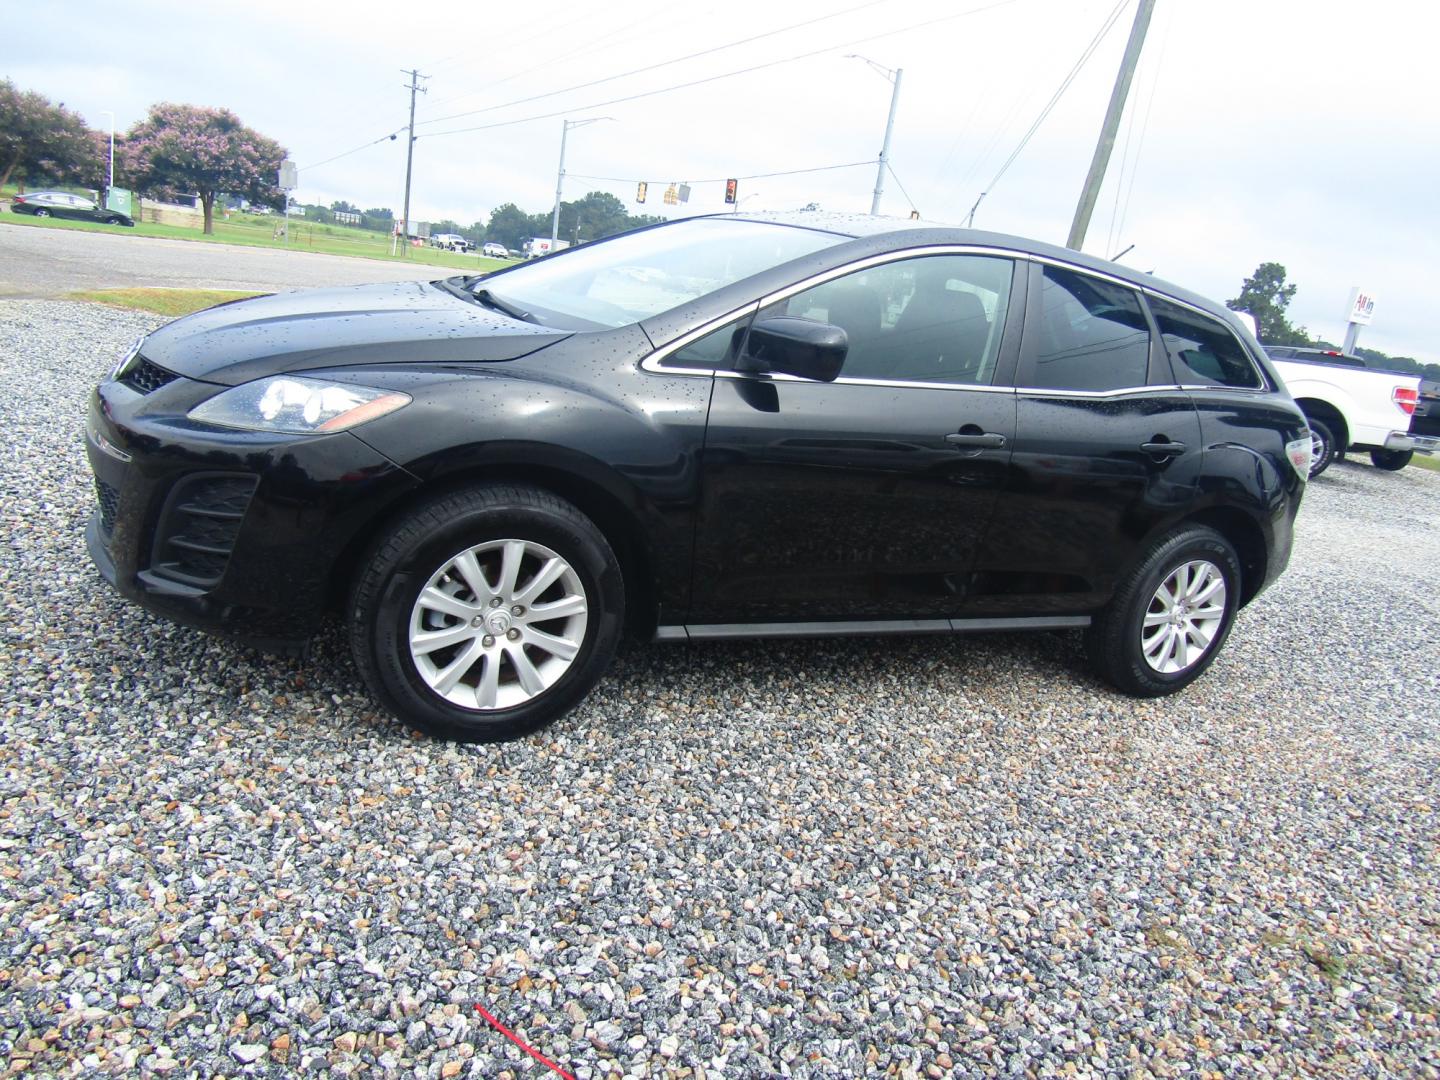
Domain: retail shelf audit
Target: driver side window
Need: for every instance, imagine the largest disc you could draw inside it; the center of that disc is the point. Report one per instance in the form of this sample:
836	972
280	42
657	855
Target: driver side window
931	319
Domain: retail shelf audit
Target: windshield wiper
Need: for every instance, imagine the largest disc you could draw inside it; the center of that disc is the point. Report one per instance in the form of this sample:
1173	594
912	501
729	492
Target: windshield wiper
489	299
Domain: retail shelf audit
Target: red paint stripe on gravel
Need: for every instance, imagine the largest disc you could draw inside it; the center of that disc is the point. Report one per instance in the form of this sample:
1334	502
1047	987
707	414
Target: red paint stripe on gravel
498	1026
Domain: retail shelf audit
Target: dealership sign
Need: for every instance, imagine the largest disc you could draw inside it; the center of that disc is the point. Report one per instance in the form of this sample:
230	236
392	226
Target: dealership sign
1362	306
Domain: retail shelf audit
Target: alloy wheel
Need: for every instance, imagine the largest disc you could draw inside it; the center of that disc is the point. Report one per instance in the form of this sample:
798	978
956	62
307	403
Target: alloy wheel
1184	617
498	624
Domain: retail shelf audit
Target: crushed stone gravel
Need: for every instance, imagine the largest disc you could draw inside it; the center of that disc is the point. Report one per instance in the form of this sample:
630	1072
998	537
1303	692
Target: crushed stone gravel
922	857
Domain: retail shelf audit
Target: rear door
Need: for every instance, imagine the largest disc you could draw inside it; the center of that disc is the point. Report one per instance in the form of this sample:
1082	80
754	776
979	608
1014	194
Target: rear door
865	498
1107	447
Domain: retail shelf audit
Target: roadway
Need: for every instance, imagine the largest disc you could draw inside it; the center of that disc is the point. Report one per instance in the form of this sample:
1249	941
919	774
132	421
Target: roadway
38	262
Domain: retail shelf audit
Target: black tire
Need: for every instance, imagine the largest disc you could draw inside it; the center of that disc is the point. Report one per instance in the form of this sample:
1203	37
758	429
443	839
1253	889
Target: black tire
1114	640
1391	460
42	213
405	559
1322	446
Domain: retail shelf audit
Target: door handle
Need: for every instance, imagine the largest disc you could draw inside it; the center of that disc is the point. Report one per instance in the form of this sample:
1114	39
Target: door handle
979	440
1163	449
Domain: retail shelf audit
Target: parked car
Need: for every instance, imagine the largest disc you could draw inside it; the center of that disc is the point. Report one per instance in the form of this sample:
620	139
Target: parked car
717	427
1351	406
494	250
62	204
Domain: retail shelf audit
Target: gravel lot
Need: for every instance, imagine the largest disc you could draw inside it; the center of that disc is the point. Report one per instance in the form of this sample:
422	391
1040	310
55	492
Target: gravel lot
938	857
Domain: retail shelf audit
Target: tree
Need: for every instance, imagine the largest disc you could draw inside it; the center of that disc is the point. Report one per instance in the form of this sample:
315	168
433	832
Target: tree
1265	295
344	207
184	148
43	142
511	226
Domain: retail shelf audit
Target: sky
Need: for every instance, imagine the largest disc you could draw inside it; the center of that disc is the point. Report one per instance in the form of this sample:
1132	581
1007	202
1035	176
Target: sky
1302	132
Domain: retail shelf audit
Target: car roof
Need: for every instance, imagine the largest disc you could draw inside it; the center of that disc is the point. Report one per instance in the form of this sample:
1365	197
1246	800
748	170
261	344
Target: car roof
922	232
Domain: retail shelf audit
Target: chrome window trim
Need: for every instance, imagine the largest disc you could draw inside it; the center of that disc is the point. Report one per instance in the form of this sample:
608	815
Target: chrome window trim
654	362
1123	391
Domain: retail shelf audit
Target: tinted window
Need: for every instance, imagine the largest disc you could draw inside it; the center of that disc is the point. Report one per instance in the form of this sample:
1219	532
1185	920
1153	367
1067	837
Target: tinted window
1202	349
715	350
931	319
1092	335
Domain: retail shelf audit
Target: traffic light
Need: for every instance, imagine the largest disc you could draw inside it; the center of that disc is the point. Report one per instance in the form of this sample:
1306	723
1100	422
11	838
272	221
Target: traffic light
640	190
731	187
672	197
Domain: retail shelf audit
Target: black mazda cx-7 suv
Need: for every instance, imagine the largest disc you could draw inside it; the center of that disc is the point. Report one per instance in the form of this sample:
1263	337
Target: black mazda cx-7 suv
731	426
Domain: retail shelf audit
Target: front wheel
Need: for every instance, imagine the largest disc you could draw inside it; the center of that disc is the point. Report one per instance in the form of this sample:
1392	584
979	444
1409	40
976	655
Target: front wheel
1322	446
1170	616
487	613
1391	460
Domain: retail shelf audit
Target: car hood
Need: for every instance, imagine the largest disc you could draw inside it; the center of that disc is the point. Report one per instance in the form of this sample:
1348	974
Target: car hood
404	322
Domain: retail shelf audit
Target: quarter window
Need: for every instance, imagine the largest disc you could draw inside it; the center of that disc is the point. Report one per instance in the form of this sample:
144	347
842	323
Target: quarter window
1092	335
937	318
715	350
1202	349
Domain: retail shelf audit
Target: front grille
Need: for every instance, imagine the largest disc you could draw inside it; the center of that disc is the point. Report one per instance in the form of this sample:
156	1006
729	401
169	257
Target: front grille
146	377
109	500
199	526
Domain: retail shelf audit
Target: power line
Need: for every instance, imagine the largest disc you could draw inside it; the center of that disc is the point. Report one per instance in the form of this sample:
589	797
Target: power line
549	61
725	75
656	67
1054	100
383	138
722	179
901	186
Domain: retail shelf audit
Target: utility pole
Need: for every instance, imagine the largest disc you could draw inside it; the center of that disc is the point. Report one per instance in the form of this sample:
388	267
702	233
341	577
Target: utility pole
560	176
413	87
559	187
1098	164
893	76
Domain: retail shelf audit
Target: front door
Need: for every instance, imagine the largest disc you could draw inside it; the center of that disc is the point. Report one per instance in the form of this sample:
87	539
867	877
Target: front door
865	498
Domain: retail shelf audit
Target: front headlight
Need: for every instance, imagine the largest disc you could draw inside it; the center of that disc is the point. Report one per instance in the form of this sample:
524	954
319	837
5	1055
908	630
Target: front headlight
296	406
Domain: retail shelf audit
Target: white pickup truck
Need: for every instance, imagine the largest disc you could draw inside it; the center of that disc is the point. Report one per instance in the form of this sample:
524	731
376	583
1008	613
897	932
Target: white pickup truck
1352	407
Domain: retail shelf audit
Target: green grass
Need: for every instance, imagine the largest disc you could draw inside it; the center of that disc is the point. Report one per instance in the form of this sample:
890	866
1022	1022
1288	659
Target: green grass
1425	461
173	302
258	230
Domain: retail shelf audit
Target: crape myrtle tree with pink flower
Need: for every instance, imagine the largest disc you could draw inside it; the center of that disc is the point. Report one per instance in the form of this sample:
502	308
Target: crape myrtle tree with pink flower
41	142
189	149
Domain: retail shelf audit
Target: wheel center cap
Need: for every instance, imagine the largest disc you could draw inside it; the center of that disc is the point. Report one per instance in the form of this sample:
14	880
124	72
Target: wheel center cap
498	622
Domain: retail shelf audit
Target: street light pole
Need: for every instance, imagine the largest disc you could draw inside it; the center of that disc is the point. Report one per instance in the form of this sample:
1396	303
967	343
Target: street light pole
560	175
893	76
110	179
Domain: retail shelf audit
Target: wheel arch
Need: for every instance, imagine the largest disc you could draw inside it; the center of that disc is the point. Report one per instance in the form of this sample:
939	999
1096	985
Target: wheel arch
608	510
1330	415
1247	538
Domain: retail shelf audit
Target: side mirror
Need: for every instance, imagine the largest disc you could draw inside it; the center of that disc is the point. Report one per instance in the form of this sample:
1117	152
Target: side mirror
788	345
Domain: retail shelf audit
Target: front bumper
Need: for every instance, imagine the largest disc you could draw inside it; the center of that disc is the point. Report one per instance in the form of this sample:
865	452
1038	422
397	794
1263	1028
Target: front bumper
229	531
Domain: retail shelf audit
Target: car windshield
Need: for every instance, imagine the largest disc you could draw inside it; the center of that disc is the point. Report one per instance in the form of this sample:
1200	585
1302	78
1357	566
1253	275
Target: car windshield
640	274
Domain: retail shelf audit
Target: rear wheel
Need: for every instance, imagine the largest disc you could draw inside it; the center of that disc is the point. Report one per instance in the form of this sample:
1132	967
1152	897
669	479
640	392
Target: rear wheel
1391	460
42	213
487	613
1170	616
1322	446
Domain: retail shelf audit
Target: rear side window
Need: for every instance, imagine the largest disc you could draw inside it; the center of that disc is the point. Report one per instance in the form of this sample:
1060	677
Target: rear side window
1092	335
1202	349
